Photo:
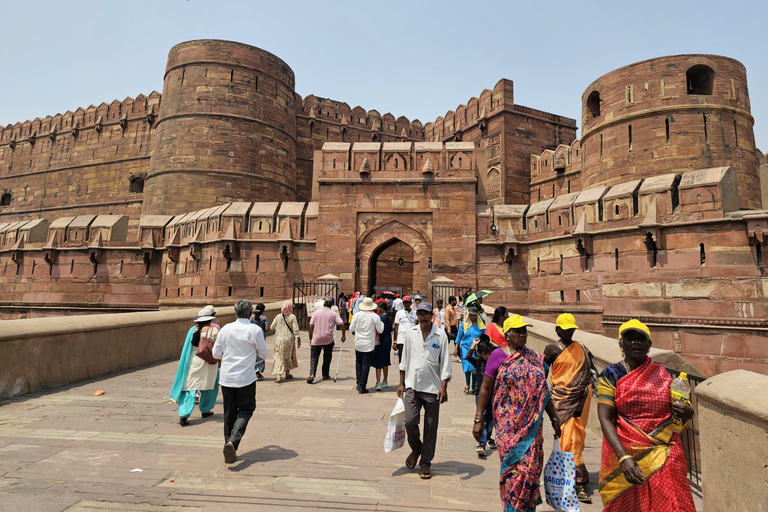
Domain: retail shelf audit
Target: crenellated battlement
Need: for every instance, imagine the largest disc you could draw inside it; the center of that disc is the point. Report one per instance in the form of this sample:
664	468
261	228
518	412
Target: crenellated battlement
325	110
476	111
141	108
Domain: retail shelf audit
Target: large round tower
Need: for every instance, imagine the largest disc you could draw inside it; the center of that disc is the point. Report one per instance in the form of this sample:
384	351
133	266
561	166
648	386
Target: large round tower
666	115
226	130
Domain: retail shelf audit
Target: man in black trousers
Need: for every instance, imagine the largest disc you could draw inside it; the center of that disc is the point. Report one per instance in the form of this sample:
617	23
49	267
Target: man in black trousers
238	346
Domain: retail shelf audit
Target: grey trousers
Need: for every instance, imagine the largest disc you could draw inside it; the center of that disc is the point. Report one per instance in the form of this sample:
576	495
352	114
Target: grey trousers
414	401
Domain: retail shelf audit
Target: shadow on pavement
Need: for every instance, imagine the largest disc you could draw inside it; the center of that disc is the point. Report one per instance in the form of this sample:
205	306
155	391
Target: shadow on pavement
464	470
263	454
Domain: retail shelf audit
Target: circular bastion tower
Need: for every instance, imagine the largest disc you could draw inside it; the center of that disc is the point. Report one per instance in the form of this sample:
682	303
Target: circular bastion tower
670	115
226	129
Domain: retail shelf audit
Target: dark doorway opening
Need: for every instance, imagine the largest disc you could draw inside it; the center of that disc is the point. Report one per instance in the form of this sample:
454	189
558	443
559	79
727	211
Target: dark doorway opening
391	267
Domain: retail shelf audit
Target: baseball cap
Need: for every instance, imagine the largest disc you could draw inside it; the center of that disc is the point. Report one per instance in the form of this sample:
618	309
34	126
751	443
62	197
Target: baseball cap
407	298
515	322
472	310
424	306
566	321
635	325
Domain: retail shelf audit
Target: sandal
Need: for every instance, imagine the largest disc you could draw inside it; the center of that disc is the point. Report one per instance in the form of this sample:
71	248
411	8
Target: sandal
288	377
466	390
278	381
426	474
582	495
410	462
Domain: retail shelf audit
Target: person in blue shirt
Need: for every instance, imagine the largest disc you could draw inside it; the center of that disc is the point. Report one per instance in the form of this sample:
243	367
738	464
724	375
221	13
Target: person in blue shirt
468	331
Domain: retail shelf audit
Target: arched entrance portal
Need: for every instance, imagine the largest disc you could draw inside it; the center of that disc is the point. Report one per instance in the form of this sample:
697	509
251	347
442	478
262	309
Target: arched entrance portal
392	268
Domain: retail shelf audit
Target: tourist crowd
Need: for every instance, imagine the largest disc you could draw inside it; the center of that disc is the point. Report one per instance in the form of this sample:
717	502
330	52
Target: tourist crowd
643	467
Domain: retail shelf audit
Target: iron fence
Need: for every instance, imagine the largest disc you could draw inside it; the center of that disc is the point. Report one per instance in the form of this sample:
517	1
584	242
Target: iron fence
690	435
443	291
306	294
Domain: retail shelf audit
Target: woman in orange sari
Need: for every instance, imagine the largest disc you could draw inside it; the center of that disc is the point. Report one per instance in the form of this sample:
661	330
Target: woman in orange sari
643	468
571	370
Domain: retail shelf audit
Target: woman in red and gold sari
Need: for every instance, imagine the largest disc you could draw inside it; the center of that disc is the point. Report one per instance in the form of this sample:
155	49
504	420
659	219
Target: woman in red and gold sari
643	468
516	382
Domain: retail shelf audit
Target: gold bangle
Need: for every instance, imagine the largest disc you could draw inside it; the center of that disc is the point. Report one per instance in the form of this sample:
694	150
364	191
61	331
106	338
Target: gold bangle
624	458
478	420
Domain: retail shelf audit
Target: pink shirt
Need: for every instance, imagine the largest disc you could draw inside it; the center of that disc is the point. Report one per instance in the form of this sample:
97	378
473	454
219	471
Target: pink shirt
324	320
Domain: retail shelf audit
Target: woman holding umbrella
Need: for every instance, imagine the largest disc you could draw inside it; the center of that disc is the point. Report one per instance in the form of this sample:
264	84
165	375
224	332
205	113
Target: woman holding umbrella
468	331
476	300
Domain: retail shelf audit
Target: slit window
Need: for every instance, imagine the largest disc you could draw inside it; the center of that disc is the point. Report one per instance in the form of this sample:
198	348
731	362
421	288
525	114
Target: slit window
616	259
666	129
629	134
736	133
702	254
706	133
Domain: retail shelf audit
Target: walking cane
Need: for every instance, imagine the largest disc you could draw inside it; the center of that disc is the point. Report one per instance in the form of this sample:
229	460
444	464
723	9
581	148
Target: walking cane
338	362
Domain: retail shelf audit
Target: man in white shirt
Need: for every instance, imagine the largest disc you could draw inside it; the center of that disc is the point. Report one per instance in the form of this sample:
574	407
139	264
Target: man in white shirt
425	370
238	346
404	320
365	325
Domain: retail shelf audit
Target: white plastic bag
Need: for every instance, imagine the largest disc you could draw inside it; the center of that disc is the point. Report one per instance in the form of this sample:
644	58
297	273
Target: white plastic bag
560	480
396	428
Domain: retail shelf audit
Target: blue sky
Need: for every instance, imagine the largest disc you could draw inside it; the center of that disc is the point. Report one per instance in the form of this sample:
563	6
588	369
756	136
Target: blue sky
417	59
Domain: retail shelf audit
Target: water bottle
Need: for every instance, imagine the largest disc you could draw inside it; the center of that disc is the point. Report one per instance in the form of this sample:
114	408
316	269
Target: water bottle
680	389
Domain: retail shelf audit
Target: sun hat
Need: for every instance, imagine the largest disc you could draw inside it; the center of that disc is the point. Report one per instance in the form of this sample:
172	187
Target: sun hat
211	309
417	296
566	321
472	310
635	325
203	315
367	304
515	322
424	306
407	298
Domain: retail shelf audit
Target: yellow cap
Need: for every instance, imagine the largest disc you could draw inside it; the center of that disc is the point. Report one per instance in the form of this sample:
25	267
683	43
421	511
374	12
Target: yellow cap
683	376
635	325
566	321
515	322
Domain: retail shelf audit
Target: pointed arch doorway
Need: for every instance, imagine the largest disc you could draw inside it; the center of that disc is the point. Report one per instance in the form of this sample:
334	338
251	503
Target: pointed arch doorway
392	267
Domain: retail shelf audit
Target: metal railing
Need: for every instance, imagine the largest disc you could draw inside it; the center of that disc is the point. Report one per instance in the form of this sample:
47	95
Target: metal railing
690	435
306	294
443	291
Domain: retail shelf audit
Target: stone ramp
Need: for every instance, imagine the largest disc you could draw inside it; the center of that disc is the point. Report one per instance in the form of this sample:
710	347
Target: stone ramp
316	447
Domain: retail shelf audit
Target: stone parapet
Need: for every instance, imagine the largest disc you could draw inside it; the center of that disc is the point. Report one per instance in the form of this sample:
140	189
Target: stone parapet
69	349
733	421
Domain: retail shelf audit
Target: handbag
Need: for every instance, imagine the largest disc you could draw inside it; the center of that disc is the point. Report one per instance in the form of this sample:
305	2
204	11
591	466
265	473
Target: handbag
205	350
560	480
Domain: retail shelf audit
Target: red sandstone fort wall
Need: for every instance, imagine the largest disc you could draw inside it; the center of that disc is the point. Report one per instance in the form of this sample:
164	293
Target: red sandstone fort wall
670	114
226	130
78	162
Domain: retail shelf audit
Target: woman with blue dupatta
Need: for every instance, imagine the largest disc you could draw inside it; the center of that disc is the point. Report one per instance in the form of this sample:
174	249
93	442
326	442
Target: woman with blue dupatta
469	330
516	382
195	374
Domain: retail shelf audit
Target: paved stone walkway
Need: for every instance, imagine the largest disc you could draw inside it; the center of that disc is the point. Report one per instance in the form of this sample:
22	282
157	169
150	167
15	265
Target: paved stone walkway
316	447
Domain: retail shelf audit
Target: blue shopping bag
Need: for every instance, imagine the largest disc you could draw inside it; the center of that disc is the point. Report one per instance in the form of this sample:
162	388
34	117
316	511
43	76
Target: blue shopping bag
560	480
